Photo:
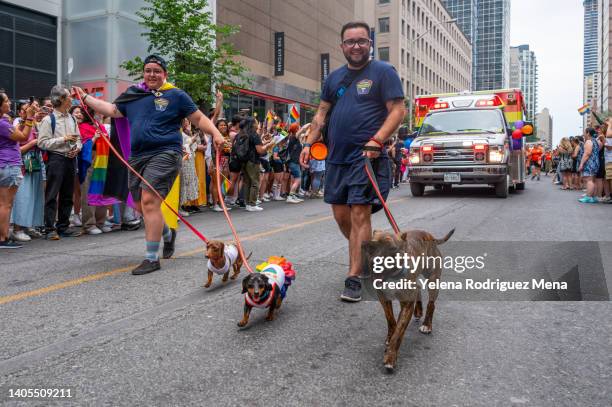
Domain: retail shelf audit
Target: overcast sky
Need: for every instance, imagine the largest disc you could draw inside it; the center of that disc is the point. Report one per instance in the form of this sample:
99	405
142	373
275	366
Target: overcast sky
554	30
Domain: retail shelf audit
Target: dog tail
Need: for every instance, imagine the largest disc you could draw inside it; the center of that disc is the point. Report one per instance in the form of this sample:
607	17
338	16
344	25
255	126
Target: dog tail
445	238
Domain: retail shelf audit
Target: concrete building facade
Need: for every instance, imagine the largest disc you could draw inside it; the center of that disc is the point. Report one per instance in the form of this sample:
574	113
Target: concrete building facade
309	31
524	75
544	127
603	73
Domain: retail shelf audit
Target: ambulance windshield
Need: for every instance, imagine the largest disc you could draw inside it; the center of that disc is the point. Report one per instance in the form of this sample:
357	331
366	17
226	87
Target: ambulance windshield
463	121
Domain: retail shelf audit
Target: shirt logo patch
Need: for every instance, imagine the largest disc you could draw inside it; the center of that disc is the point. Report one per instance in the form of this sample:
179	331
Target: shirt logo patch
364	86
161	104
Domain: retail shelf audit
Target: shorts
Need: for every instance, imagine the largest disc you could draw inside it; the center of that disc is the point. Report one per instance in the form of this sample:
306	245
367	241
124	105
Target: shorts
609	171
234	165
10	176
348	184
277	166
536	164
295	170
265	165
160	170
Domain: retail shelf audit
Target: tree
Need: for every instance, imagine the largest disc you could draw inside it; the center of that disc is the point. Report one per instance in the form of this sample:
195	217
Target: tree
197	51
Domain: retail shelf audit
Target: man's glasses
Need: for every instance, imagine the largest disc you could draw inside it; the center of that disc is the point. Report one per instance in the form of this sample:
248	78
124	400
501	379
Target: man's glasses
362	42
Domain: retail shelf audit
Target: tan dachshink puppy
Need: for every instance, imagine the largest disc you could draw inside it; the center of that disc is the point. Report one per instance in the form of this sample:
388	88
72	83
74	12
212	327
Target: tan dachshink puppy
221	259
414	243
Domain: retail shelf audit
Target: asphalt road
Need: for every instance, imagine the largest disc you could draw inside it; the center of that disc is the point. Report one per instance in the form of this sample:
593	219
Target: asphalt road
73	316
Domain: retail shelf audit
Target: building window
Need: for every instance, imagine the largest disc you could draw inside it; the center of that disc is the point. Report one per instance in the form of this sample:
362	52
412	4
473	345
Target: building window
384	1
403	57
383	25
383	54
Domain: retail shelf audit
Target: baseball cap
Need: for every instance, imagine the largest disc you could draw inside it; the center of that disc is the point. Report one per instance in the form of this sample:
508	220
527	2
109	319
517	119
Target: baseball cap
156	59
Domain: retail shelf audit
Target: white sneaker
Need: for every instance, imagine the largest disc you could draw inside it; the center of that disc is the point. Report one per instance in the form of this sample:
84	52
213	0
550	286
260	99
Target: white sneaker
292	199
21	236
265	198
278	198
183	213
94	230
254	208
217	208
106	229
297	198
75	220
258	202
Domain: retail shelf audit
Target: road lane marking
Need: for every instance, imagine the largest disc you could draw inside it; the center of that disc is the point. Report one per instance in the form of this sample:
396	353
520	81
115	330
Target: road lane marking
98	276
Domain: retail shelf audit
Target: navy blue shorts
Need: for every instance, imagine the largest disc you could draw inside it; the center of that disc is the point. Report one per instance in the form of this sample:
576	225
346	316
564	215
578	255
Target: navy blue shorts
348	184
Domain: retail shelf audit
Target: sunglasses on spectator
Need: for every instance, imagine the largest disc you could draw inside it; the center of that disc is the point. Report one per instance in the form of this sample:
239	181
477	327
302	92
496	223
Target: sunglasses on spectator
362	42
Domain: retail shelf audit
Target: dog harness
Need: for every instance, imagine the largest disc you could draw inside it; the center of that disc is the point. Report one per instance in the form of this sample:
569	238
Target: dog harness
231	254
276	274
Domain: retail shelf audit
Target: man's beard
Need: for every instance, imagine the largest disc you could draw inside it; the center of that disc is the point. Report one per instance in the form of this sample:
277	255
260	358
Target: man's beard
362	60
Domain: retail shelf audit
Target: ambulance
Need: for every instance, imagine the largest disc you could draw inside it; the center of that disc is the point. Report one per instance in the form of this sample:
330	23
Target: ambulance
467	138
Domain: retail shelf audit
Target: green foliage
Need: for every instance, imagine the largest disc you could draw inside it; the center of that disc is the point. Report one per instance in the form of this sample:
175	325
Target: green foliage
183	33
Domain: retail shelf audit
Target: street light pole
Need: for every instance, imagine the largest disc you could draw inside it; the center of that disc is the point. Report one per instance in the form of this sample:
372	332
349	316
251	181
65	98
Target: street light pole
412	71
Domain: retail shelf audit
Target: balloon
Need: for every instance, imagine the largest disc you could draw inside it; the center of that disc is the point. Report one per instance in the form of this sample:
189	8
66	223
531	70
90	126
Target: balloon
519	124
517	134
517	144
527	129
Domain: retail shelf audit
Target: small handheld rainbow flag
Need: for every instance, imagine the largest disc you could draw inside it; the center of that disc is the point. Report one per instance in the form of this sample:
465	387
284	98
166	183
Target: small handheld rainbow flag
294	113
584	109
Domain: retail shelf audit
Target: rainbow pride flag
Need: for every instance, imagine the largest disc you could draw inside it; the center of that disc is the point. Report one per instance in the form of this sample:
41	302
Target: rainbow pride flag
294	113
99	174
584	109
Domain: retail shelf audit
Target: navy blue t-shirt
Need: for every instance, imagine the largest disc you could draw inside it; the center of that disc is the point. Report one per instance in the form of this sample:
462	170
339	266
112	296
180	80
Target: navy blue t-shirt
360	112
155	125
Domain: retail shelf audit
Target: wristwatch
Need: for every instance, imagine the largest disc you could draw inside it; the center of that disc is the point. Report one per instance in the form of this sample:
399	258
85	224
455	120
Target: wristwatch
306	145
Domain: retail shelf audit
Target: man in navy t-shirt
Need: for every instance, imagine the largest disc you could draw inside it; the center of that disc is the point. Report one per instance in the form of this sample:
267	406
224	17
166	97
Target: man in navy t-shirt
368	106
155	111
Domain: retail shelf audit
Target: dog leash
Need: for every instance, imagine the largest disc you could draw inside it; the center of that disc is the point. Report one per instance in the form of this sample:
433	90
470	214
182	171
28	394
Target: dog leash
106	139
370	171
245	260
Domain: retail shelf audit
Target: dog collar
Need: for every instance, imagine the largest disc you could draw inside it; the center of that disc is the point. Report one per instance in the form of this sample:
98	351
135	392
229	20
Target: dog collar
263	302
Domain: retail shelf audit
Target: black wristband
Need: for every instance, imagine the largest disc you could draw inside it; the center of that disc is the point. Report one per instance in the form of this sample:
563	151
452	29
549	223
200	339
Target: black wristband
306	145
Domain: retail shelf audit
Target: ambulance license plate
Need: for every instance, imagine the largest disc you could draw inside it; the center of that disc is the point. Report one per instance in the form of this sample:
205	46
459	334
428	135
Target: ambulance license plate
452	177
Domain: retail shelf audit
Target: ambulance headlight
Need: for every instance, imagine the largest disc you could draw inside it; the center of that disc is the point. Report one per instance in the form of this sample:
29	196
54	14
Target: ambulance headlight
496	156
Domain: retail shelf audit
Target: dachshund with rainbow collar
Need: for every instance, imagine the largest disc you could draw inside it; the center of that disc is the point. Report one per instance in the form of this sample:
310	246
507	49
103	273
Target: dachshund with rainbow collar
267	287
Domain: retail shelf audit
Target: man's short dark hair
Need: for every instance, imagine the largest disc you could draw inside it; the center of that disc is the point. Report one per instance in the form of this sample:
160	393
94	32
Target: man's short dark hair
354	24
236	119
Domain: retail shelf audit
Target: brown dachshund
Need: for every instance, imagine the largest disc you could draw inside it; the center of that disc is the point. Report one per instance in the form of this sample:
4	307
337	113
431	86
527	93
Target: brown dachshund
221	259
414	243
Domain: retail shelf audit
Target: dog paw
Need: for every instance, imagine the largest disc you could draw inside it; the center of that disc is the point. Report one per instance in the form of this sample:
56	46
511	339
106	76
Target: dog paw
389	368
235	276
424	329
207	285
270	318
242	323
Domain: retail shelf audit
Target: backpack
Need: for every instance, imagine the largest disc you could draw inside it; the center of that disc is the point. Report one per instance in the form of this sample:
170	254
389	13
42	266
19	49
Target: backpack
242	147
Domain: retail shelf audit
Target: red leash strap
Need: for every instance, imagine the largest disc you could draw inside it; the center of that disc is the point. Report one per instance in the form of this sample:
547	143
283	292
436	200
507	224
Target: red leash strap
226	212
370	171
106	138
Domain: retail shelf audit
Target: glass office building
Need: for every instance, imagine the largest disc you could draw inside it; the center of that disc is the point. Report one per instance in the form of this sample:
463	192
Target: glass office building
487	24
28	51
590	37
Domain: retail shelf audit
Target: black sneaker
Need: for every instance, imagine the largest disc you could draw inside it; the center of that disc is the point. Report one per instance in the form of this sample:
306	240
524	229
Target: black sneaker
169	246
131	226
146	267
10	244
70	232
52	235
352	290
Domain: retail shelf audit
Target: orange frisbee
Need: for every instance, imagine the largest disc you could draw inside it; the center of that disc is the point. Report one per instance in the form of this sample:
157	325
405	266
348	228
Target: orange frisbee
318	151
